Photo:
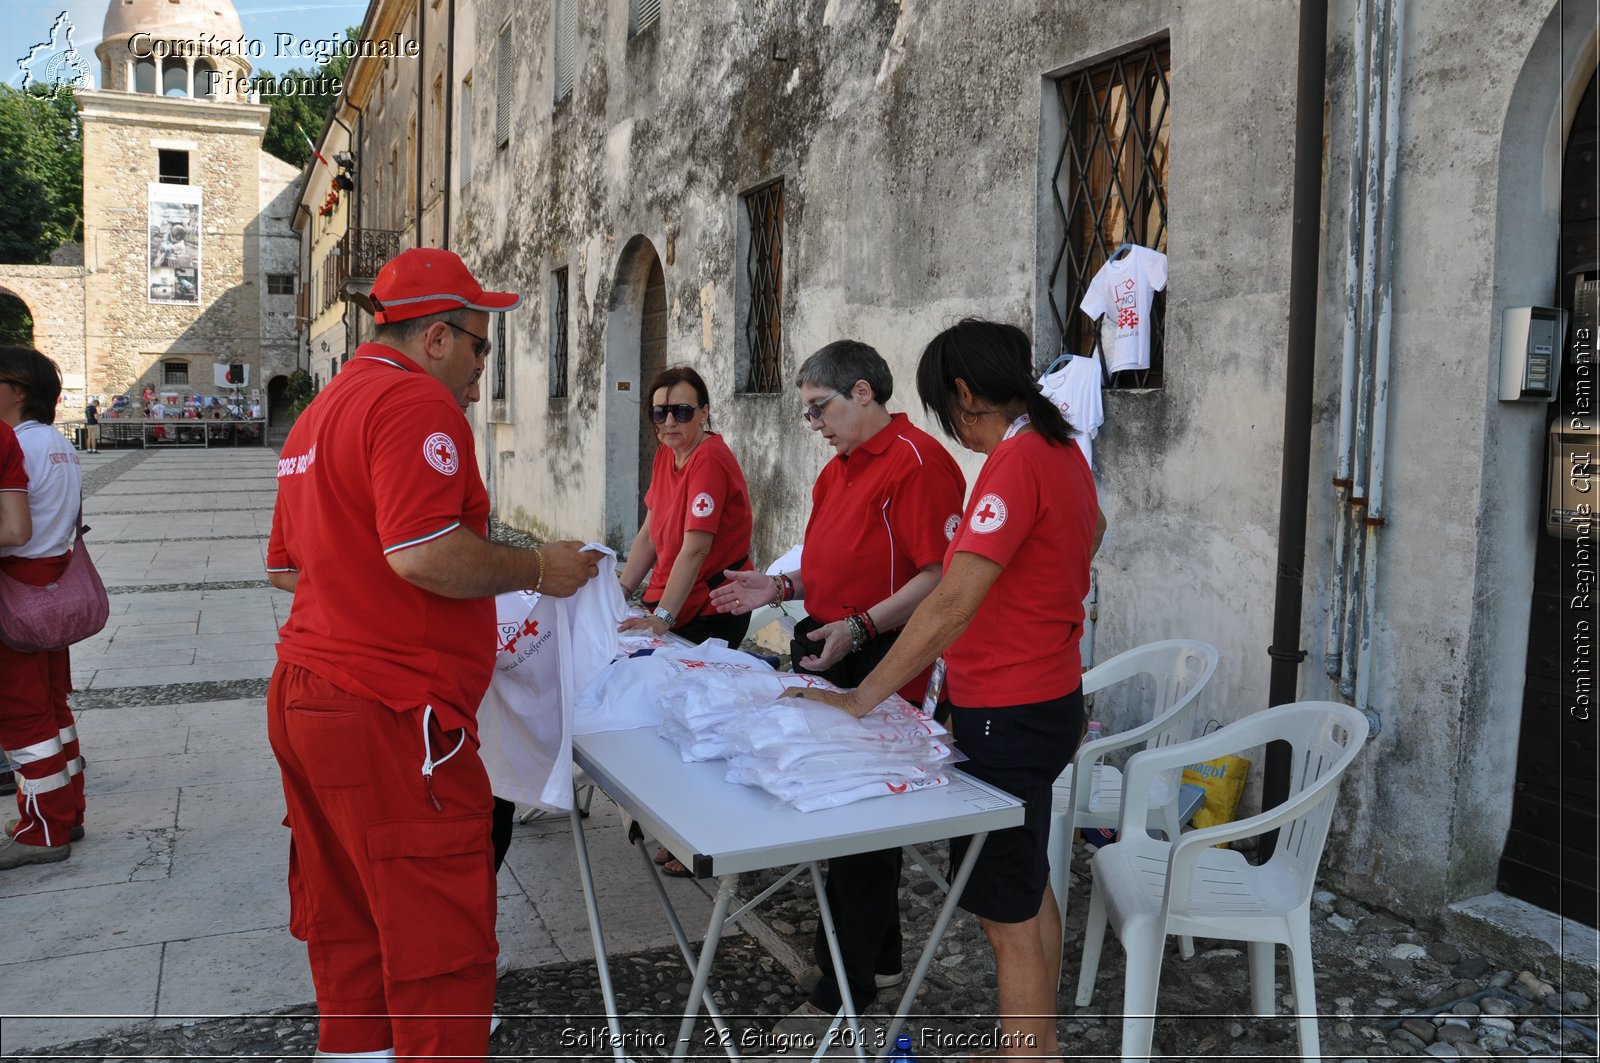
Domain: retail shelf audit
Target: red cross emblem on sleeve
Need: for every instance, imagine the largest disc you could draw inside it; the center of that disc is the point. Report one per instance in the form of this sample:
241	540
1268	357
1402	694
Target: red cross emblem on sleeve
703	505
990	514
439	450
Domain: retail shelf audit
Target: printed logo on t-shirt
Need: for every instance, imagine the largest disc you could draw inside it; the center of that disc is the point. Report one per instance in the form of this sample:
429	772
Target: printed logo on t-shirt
990	515
950	525
703	505
440	450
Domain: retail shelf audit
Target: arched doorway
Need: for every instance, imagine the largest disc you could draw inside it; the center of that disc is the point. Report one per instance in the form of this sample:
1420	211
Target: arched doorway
1550	856
16	320
278	401
636	350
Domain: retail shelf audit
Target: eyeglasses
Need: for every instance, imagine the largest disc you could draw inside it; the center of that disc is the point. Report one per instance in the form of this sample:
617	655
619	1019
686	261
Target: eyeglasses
479	349
681	412
813	412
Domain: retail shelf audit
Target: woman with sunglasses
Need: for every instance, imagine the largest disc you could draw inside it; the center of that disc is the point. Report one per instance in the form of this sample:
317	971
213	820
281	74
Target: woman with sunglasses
881	514
36	725
697	520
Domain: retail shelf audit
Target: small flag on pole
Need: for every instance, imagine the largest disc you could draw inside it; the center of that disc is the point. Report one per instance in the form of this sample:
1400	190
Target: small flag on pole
313	147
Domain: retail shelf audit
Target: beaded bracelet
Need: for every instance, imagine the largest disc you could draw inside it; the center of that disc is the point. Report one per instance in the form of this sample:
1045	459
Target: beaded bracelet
538	553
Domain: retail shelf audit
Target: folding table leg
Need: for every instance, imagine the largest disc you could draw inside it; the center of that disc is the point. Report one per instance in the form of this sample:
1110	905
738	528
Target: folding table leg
586	876
847	1002
936	935
684	946
702	971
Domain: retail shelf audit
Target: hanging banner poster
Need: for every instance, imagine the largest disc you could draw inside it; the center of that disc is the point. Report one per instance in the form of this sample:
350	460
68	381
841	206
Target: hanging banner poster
174	244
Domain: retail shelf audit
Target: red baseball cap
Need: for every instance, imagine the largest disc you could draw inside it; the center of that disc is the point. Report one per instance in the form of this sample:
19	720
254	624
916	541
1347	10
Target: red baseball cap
428	280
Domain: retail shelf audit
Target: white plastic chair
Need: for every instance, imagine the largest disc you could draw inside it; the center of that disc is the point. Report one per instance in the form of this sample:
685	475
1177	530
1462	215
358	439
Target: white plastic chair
1089	793
1147	888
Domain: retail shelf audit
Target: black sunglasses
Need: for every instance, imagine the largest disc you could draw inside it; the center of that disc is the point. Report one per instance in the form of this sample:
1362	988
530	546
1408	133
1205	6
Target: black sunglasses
480	348
681	412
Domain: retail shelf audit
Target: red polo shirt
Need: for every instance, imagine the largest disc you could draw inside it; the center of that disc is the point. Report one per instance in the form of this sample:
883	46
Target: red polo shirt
707	494
13	473
1032	512
383	460
878	516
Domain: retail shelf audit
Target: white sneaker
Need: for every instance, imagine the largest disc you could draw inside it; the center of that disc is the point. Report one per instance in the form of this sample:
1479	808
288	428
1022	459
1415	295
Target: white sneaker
812	975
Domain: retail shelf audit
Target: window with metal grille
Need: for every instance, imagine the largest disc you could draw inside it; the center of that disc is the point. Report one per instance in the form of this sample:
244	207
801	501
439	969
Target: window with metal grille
464	163
280	284
558	333
566	47
172	166
498	385
642	14
1110	188
175	372
504	71
760	294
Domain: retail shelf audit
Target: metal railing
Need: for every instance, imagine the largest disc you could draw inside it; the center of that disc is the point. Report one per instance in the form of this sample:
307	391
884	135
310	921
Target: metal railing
763	324
365	250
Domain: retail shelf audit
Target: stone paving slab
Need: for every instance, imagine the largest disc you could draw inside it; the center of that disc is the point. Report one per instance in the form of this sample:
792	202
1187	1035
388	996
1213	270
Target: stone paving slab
88	995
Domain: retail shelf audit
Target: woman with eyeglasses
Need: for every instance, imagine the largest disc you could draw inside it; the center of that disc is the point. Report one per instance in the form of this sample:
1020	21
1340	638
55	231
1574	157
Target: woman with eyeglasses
697	521
36	725
1007	616
881	515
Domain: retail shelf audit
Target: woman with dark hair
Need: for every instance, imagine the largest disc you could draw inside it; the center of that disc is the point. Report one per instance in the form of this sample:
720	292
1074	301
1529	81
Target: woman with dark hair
36	725
697	521
1007	616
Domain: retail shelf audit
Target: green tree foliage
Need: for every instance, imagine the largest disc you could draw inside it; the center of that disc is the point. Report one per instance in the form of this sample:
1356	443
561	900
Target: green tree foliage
41	173
16	324
303	98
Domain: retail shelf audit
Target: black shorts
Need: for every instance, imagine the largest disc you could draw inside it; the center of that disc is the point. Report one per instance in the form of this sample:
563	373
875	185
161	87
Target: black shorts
1020	749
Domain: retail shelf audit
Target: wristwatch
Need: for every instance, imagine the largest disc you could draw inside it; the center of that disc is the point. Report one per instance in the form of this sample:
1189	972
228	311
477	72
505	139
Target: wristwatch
665	617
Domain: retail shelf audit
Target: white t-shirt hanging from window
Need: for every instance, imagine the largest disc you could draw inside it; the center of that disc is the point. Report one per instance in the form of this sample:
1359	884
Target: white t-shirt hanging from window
1122	291
1075	389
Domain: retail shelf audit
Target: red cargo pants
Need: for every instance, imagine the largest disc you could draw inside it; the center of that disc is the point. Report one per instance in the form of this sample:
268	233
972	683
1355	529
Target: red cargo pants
391	877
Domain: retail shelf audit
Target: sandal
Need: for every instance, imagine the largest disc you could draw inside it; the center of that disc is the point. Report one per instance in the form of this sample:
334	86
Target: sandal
662	856
674	868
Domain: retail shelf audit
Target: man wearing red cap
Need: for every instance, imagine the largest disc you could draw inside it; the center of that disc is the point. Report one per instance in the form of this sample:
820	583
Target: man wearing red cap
380	530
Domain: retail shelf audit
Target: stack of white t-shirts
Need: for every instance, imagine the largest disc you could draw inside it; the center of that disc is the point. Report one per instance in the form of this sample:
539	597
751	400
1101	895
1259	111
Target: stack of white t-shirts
545	649
623	696
702	706
1075	389
813	756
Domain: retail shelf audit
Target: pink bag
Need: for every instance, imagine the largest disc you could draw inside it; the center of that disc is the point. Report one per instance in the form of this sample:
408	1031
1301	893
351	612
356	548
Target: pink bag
53	617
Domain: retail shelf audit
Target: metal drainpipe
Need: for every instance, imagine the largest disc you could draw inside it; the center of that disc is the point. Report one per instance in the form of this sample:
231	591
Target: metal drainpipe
1298	387
310	224
1351	606
1376	516
1347	364
449	110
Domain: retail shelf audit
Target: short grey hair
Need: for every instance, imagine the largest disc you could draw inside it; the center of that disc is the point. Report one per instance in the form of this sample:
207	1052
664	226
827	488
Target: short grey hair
403	331
841	363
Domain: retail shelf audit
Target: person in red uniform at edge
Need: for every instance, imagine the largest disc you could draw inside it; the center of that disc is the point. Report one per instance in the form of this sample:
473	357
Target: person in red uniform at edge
36	725
1007	616
697	518
16	526
379	531
882	512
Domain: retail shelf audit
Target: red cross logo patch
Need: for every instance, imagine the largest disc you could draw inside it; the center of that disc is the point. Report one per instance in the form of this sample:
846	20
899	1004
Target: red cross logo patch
440	451
950	525
989	515
703	505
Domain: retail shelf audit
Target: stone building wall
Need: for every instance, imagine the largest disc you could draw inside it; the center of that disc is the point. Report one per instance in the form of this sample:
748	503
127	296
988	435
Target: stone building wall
126	335
916	144
54	297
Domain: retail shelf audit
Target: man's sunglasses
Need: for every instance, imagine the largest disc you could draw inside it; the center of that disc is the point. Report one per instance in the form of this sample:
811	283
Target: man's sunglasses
479	349
681	412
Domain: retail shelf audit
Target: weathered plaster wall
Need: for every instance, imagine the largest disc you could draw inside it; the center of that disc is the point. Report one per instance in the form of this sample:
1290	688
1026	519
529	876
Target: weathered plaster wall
910	139
276	248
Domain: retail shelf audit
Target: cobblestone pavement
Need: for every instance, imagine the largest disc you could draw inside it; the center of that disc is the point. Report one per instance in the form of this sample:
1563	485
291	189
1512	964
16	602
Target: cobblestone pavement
174	904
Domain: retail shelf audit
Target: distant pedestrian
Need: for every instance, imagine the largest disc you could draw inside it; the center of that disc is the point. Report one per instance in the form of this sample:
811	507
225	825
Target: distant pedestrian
36	724
91	427
380	530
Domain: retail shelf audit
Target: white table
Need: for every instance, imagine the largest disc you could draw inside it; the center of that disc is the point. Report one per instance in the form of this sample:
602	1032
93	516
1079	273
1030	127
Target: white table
721	829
